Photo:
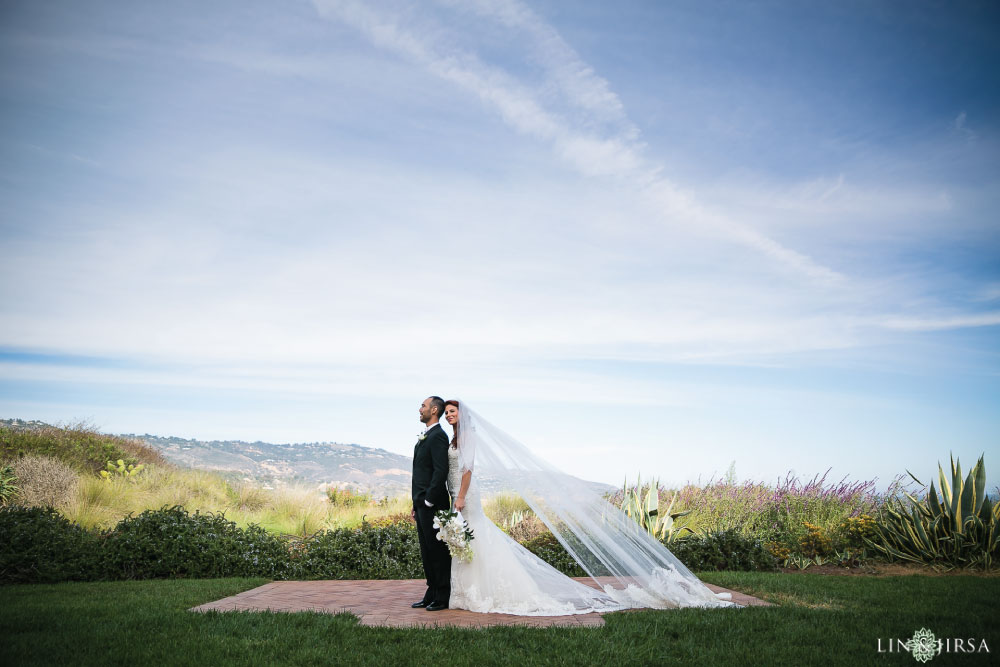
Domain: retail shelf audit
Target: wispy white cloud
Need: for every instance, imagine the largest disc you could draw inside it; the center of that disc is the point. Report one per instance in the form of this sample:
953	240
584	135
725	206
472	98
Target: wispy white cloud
842	206
989	292
526	291
963	129
577	81
942	323
619	155
689	292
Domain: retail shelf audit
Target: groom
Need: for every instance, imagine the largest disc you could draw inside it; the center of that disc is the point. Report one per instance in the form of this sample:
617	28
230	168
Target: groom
430	494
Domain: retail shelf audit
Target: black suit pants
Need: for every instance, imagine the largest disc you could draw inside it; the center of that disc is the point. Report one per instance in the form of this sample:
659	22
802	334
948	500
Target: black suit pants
435	556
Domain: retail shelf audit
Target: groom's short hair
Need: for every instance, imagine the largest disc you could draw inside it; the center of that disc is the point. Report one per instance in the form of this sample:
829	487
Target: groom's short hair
438	402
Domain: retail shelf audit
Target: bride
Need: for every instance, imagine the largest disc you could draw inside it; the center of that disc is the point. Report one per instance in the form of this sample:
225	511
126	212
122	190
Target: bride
631	567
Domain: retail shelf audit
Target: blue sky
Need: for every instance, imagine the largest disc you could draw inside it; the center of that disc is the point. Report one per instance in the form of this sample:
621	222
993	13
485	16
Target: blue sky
648	237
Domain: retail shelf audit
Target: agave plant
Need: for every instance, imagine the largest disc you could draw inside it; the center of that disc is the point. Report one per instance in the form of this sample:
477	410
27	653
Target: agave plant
508	524
645	510
958	528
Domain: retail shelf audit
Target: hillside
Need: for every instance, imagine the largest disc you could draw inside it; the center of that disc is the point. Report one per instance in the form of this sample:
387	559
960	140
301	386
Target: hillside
346	465
78	445
380	472
377	471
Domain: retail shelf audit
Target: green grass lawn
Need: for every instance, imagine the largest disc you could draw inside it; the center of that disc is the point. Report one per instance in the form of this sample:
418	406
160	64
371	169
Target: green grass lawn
820	620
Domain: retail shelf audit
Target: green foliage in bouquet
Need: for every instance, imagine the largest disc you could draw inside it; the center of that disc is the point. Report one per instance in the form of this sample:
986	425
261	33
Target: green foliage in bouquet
958	528
455	533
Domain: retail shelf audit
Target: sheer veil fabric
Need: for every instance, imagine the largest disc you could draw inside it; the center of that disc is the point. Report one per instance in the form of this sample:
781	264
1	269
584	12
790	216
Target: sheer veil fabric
632	568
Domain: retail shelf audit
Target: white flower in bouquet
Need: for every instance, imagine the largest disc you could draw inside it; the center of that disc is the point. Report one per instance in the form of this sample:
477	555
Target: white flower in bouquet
453	530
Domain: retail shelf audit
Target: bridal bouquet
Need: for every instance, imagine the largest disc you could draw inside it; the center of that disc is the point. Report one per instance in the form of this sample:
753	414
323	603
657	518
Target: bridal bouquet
455	532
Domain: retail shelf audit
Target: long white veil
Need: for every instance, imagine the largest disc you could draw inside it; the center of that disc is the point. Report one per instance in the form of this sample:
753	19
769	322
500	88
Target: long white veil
628	563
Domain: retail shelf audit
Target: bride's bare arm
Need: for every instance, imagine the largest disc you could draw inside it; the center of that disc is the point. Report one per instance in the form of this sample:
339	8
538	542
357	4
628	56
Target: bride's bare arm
460	501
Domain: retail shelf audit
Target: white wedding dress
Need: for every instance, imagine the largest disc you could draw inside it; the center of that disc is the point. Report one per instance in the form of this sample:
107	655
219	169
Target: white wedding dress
504	577
633	569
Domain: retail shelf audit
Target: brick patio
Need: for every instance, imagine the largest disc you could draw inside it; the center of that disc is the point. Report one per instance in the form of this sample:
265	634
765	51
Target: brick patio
387	604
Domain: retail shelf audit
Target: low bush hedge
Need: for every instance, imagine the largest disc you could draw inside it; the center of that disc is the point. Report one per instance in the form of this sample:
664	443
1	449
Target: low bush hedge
171	542
391	551
723	550
39	545
548	548
713	551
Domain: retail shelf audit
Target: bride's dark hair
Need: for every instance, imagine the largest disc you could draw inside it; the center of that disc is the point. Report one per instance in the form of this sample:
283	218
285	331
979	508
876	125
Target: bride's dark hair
454	438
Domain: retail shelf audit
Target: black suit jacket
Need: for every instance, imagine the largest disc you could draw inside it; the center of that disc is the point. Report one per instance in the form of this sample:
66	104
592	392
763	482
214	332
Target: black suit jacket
430	469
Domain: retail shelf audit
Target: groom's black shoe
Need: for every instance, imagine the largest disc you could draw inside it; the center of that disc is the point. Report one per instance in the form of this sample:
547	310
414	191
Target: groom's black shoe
437	606
421	604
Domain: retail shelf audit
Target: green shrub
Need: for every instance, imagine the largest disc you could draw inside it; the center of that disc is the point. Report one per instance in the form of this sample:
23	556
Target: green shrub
403	518
347	498
772	513
370	552
856	530
8	484
718	550
548	548
959	528
170	542
723	550
814	542
39	545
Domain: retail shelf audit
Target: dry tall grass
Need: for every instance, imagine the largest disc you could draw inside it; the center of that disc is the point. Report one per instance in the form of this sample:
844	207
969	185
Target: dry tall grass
502	506
512	514
94	502
292	510
100	503
44	481
527	528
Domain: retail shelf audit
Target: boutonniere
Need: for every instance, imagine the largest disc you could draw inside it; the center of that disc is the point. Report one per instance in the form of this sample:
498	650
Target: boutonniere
422	436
